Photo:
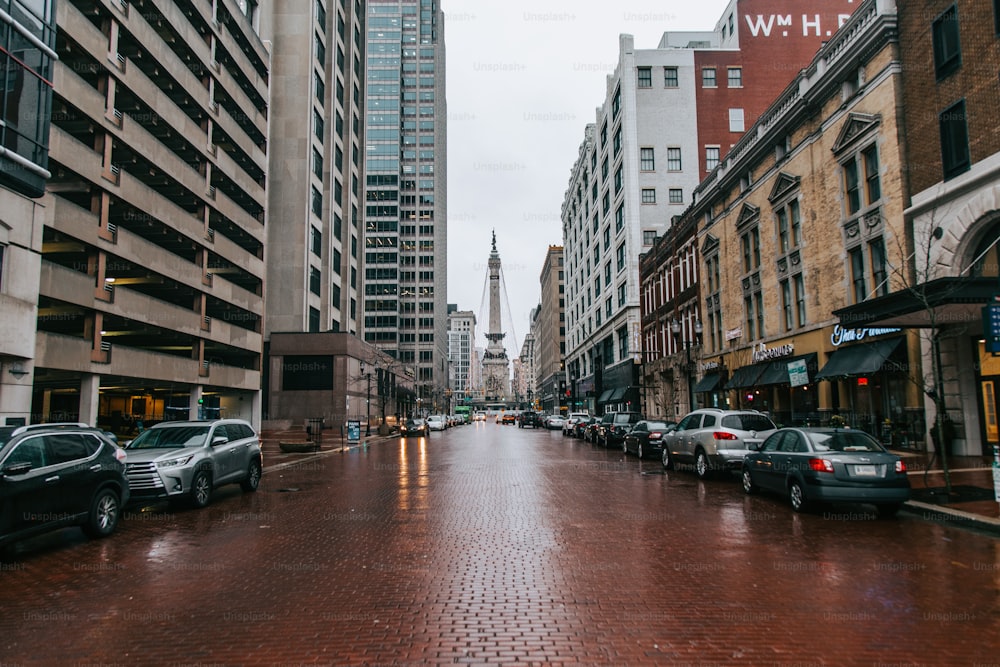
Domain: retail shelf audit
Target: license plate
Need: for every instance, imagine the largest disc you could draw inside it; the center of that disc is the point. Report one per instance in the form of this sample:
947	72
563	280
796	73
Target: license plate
865	471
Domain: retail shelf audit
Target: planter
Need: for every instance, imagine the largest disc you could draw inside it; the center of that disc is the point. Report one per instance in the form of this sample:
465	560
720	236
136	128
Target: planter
297	446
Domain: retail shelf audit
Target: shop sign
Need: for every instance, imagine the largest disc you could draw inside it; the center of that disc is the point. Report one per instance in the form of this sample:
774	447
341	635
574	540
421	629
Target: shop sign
762	352
798	373
733	334
991	328
841	335
708	366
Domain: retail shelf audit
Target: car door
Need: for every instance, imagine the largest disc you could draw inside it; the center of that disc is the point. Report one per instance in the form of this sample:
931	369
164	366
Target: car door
224	454
787	459
26	497
637	436
762	464
75	471
681	445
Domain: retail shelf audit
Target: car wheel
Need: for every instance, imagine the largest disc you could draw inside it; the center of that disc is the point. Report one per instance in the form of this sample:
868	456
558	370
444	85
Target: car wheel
104	514
638	450
797	497
201	489
701	465
252	480
888	511
666	459
749	487
624	447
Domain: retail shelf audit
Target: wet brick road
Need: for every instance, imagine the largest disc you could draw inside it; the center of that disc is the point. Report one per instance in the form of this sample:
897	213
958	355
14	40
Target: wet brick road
489	544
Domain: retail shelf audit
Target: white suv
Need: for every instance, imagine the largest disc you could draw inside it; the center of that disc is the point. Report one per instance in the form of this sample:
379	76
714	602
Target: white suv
186	460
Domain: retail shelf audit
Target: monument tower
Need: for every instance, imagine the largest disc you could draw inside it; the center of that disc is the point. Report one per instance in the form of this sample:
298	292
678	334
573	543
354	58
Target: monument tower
496	366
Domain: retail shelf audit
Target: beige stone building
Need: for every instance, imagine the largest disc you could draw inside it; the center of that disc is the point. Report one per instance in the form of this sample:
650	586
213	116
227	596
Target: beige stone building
804	217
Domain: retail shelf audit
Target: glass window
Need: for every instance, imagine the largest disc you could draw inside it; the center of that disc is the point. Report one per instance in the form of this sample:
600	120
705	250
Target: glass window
954	140
708	77
873	185
852	186
711	157
649	195
670	77
735	77
647	161
645	77
857	259
879	276
946	43
673	159
676	196
736	120
786	304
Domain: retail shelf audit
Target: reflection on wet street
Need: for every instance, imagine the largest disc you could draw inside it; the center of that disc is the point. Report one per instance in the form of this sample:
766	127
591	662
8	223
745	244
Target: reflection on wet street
492	544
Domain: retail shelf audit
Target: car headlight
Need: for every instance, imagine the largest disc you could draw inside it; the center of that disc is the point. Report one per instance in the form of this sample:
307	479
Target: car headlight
173	463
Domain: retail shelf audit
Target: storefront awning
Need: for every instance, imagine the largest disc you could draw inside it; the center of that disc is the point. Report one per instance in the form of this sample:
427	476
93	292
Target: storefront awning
707	383
404	393
605	396
745	376
617	394
776	371
858	359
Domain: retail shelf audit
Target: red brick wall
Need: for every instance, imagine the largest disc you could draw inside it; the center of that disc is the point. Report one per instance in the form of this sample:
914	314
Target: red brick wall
924	97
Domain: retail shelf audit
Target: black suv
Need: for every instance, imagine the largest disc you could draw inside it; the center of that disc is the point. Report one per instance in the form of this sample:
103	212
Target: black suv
614	426
57	475
529	418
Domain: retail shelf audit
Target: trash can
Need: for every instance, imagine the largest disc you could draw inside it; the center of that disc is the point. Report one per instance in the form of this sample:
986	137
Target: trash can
314	429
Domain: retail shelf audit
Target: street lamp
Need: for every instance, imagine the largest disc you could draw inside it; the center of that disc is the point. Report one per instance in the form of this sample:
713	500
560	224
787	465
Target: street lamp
368	402
675	329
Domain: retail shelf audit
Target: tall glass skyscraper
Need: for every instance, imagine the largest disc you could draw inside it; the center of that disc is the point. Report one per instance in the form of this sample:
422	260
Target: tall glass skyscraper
405	262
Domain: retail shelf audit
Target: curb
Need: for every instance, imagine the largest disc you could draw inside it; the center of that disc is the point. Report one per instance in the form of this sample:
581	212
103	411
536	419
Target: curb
955	517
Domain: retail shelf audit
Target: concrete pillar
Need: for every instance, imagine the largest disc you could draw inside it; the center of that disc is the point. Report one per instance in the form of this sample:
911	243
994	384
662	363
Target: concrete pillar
196	394
90	386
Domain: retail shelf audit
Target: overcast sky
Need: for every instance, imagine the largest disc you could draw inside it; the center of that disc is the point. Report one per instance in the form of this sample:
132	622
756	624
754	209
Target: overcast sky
524	79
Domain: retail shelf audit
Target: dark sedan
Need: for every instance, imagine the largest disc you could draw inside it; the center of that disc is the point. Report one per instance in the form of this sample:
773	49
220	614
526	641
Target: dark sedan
414	428
646	437
814	465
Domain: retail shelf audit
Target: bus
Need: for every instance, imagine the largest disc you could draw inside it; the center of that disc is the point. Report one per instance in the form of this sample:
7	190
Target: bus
465	412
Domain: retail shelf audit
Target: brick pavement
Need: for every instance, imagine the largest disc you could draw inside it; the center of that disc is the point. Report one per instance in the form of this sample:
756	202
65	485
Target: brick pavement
493	545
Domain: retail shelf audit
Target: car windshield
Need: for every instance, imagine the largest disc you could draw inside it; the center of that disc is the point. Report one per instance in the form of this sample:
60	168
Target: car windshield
844	442
748	422
657	426
170	437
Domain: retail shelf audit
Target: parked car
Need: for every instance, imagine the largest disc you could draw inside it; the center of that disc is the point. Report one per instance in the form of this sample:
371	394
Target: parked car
715	439
529	418
647	437
58	475
571	420
592	429
554	422
187	460
437	423
614	425
414	428
815	465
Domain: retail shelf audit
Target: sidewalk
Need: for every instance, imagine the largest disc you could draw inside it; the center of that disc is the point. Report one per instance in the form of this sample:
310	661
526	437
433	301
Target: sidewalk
331	442
972	501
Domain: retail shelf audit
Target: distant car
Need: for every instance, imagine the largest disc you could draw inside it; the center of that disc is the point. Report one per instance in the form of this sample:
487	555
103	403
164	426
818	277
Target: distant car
187	460
570	424
529	418
614	425
555	422
58	475
509	417
581	426
414	428
592	430
437	423
646	437
816	465
479	417
715	439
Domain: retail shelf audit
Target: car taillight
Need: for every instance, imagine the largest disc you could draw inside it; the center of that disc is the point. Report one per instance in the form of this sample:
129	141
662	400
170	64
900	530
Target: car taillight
821	465
900	466
722	435
655	435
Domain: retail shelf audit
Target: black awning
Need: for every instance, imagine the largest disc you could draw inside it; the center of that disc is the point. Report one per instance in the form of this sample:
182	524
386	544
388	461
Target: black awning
707	383
776	371
403	392
858	359
617	394
745	376
605	395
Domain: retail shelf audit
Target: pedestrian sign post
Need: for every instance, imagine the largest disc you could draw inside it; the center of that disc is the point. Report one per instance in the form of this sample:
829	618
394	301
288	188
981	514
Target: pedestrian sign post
991	327
353	431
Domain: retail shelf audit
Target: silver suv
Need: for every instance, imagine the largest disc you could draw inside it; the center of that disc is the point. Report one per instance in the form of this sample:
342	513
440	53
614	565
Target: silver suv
186	460
715	439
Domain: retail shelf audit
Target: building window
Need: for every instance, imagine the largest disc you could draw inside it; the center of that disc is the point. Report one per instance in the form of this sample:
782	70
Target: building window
607	308
313	320
753	305
858	285
620	258
619	177
676	196
954	140
708	77
317	164
616	103
786	304
873	184
647	161
800	299
314	280
645	79
623	343
880	278
607	238
750	243
789	226
317	202
617	142
619	218
711	157
736	121
621	295
649	195
735	77
673	159
670	77
648	237
317	242
947	47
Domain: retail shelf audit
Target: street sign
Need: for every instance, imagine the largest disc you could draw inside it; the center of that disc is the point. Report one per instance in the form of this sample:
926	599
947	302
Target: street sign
353	431
991	328
798	373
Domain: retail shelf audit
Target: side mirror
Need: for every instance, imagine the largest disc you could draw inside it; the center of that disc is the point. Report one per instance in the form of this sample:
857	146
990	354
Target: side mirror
219	440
